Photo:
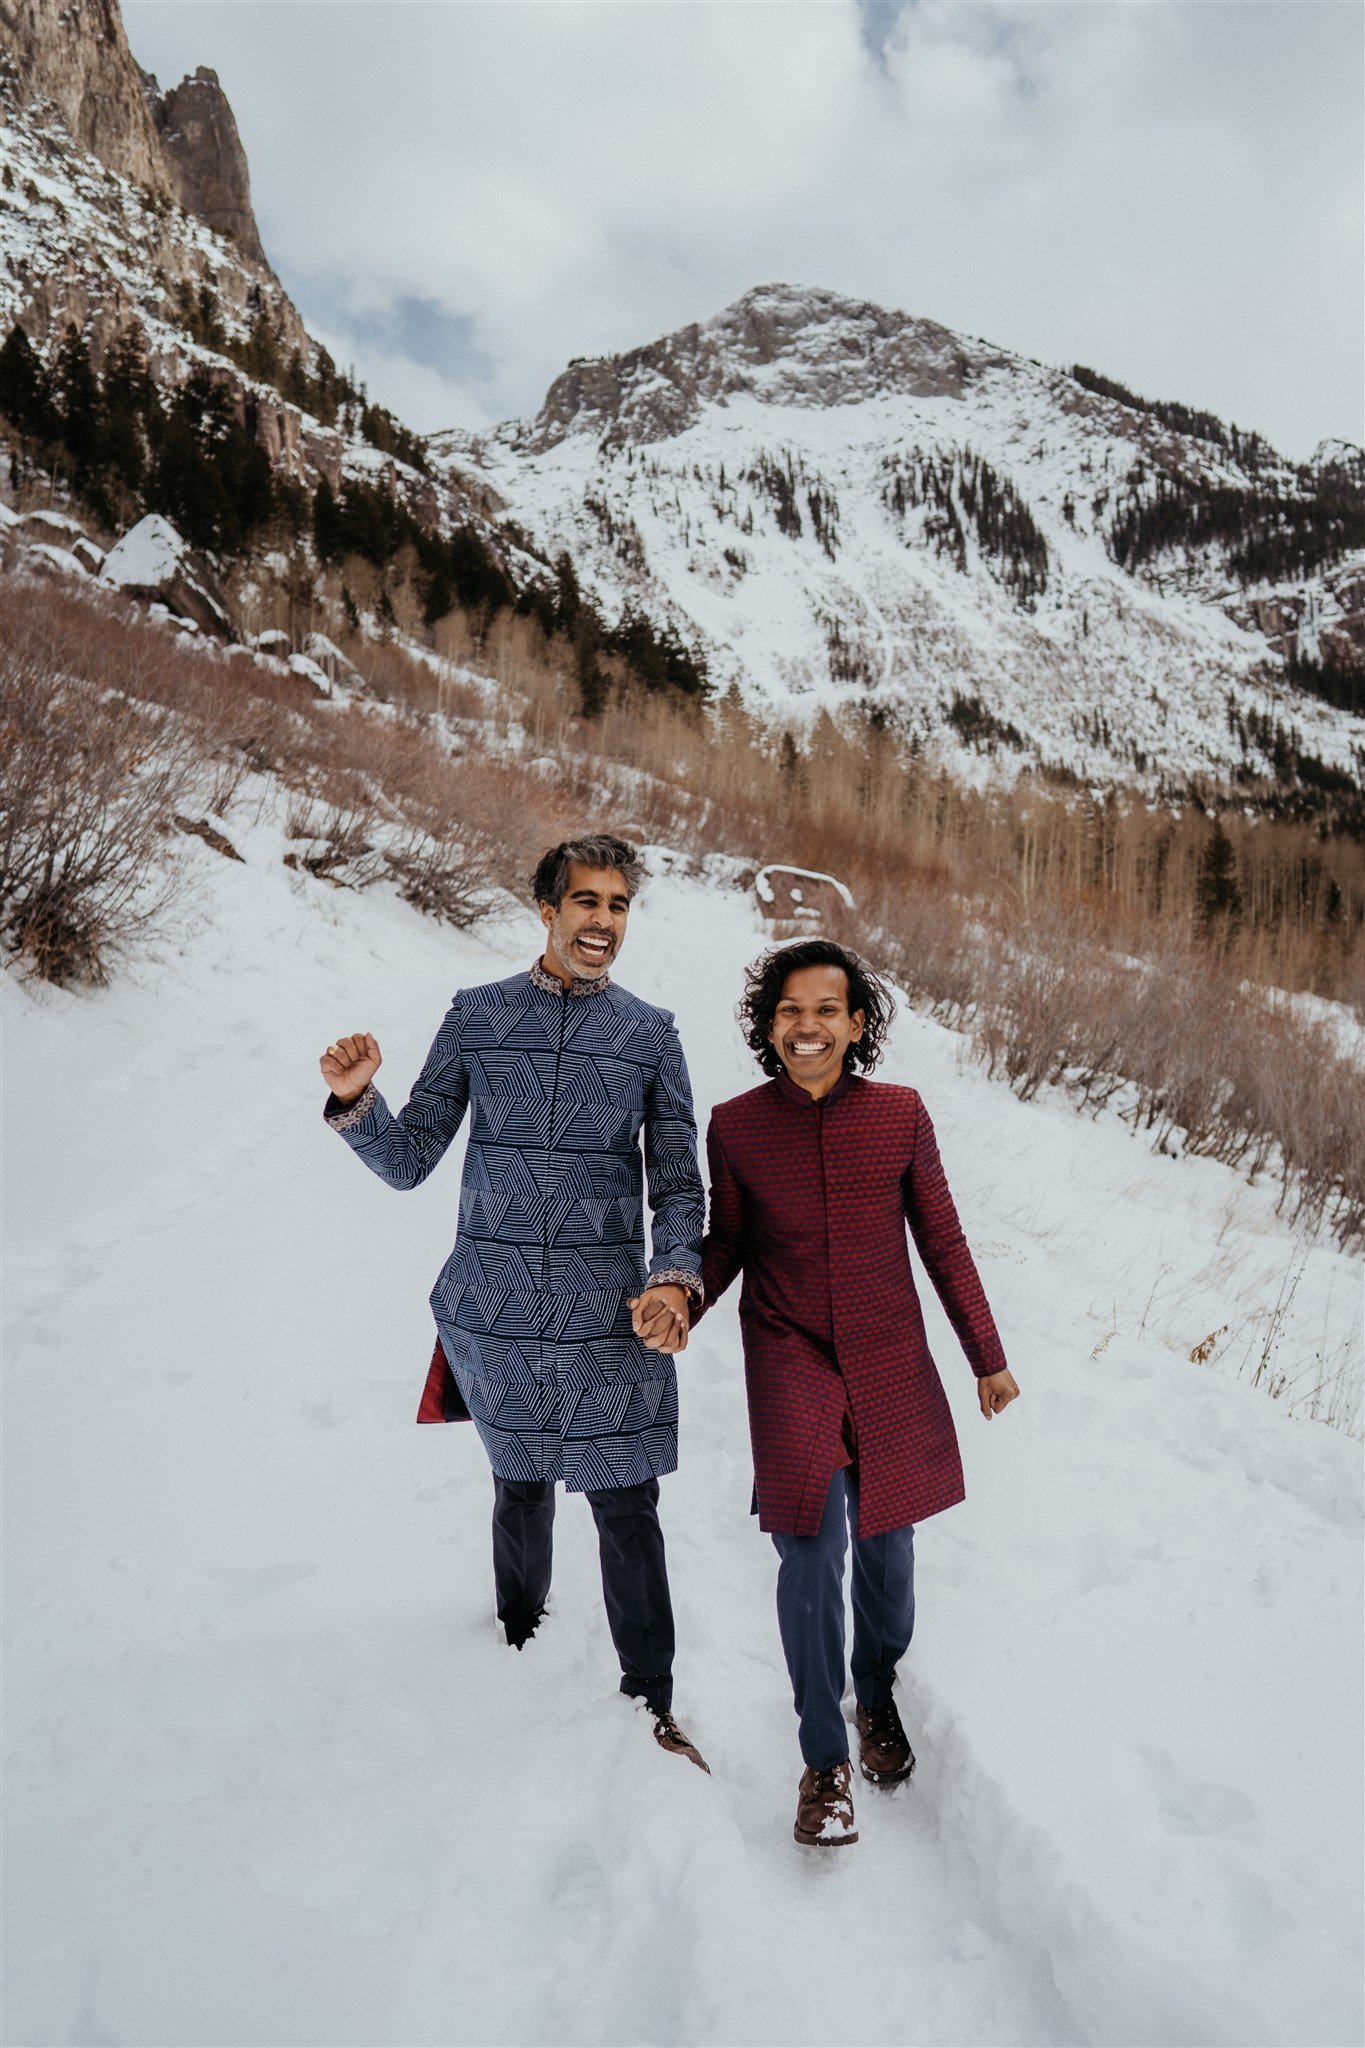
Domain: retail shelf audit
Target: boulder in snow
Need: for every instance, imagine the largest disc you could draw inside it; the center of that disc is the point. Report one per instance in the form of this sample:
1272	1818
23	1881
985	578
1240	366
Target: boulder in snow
62	559
57	529
303	665
800	902
329	657
153	562
87	554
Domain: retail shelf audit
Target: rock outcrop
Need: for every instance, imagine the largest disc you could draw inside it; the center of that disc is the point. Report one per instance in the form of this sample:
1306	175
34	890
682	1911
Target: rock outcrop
154	563
181	145
204	156
75	53
780	343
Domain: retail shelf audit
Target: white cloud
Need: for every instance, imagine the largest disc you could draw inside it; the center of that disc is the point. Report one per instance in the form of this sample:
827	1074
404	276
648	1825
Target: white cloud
1170	192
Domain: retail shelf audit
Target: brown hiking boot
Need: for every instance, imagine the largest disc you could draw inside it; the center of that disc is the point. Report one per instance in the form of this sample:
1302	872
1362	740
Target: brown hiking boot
884	1753
824	1808
669	1736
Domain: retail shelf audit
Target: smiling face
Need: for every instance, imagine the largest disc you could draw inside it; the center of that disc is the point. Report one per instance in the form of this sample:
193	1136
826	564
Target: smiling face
588	927
812	1027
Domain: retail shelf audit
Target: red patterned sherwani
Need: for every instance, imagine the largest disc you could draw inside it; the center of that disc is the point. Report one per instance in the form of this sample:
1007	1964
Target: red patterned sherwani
811	1199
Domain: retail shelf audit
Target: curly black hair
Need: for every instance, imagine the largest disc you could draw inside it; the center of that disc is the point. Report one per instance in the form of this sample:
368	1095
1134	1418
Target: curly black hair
765	980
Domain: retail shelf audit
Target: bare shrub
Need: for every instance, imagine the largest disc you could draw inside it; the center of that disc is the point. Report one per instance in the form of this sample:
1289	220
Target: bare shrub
89	786
1212	1065
452	881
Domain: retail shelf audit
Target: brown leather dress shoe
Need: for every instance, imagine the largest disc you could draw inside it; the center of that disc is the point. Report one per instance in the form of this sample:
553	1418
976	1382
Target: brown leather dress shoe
669	1736
824	1808
884	1753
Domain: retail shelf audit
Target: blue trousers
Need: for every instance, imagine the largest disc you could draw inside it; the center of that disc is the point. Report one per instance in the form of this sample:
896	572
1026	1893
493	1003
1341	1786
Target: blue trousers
630	1545
810	1618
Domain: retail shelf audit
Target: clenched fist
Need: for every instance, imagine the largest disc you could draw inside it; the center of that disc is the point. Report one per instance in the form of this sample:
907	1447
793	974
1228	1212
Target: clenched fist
996	1391
350	1064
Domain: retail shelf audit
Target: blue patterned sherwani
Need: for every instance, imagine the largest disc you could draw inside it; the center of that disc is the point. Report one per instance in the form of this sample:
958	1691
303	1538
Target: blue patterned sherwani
532	1302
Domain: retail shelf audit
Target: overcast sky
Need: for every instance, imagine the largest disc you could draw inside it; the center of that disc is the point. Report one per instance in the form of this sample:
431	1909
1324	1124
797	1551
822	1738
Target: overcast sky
460	195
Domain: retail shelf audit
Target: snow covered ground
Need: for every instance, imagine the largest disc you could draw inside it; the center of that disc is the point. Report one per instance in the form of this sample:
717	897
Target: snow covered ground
274	1778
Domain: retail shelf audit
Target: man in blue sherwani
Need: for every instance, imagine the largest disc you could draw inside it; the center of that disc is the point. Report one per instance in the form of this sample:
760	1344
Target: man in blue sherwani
562	1072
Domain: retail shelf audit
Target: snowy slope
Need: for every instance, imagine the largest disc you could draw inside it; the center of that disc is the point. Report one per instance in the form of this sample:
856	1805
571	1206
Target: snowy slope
272	1776
756	479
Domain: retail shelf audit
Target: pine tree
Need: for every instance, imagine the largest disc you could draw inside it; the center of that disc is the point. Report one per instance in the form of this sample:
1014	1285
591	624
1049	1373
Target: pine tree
25	388
791	765
262	349
1216	892
567	597
78	400
295	382
130	403
327	535
208	327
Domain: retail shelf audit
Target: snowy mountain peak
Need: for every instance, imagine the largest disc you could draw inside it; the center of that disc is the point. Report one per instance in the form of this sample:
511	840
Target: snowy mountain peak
1338	454
785	345
840	505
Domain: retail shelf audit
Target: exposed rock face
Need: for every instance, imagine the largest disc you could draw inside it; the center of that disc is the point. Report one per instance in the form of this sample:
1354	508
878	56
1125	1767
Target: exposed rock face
205	158
181	145
1323	623
75	53
779	343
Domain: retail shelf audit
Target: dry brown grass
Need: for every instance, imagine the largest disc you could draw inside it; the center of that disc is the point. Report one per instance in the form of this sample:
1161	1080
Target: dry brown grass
1062	935
1186	1049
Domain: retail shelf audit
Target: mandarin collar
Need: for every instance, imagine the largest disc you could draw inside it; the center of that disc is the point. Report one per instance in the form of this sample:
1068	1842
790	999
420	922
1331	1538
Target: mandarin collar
799	1096
581	985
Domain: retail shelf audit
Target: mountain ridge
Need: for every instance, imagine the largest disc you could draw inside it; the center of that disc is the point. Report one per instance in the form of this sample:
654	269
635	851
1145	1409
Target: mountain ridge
848	505
829	505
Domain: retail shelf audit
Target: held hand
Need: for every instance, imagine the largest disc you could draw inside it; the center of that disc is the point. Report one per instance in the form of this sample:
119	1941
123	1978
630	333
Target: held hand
995	1392
661	1317
350	1064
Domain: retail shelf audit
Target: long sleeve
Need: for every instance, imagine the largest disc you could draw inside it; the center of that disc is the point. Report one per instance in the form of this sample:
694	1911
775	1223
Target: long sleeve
403	1149
722	1252
939	1240
677	1205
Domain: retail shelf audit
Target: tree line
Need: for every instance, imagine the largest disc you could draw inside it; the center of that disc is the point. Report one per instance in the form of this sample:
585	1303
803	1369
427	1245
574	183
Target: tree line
328	394
961	488
122	449
1263	535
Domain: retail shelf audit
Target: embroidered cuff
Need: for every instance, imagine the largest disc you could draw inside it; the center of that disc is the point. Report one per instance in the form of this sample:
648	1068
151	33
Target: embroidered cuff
677	1276
350	1114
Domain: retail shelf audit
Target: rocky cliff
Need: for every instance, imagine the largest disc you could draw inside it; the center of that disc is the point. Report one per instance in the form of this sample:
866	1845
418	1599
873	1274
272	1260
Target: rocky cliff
75	54
125	214
204	156
180	145
806	348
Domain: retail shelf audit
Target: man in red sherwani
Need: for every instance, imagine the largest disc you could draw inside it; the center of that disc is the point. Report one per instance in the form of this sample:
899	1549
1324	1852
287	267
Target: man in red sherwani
814	1176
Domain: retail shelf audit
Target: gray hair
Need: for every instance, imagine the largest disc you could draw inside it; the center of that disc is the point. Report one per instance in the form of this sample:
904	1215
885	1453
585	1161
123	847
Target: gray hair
594	850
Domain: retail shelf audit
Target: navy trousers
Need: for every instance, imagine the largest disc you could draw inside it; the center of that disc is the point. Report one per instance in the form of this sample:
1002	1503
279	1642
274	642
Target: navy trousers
810	1618
630	1544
